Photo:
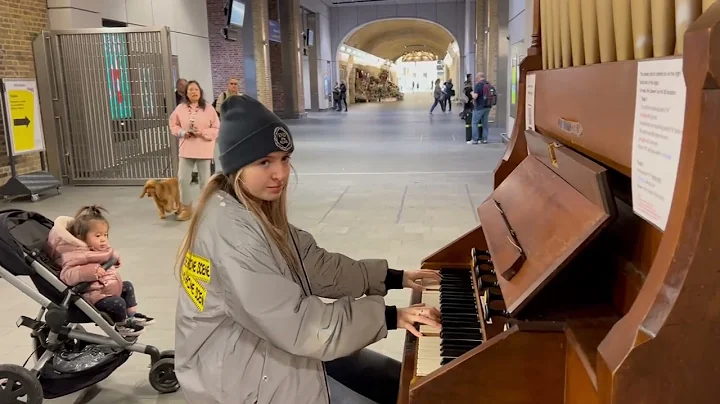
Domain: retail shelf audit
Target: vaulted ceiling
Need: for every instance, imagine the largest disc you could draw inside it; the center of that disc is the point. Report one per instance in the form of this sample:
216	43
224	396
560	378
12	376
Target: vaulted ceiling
390	39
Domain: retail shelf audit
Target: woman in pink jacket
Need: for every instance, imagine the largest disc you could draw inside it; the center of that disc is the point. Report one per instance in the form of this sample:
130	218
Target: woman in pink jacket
196	124
79	246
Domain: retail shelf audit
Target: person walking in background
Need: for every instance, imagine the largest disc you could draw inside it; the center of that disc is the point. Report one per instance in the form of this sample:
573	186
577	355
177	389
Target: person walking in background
336	97
343	96
438	96
196	124
232	89
449	92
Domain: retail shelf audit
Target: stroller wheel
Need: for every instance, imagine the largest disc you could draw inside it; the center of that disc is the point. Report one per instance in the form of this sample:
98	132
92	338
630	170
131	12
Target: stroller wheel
170	353
19	385
162	376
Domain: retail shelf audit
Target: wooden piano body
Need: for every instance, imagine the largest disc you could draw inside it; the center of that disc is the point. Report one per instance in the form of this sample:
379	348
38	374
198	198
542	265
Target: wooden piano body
602	306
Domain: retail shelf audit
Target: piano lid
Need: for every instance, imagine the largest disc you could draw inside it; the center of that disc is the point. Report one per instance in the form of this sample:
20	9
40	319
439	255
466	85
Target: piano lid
535	221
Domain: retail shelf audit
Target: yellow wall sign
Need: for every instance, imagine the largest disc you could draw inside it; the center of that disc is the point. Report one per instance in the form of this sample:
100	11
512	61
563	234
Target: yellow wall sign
196	269
22	108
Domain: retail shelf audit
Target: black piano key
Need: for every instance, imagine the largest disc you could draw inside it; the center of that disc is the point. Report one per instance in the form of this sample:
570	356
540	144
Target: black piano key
457	293
446	360
460	325
460	342
456	301
454	353
454	274
457	349
459	316
457	310
460	335
456	284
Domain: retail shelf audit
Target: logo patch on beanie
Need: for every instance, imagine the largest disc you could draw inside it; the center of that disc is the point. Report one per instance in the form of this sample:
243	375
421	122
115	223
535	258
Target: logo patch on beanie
282	139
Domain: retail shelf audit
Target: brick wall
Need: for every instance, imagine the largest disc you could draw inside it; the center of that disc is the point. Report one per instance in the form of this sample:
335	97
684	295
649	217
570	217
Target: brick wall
276	68
20	23
226	57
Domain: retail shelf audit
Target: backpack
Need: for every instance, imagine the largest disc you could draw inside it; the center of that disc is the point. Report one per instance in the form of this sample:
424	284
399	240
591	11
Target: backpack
491	98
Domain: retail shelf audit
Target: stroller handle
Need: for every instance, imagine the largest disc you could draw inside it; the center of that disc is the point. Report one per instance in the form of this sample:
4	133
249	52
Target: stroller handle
112	261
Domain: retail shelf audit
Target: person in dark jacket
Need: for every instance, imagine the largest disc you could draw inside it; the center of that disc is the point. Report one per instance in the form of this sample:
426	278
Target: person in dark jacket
449	92
343	96
180	88
467	113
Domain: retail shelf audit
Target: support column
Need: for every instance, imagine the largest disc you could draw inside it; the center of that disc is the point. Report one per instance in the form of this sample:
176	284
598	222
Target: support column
290	26
480	36
491	72
257	54
312	22
468	50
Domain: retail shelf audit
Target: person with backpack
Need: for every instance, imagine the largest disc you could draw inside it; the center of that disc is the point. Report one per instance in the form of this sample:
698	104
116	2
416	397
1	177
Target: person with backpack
485	97
449	93
232	89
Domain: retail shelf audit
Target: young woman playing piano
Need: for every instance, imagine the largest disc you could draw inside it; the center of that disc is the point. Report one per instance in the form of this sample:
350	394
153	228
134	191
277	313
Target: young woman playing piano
251	327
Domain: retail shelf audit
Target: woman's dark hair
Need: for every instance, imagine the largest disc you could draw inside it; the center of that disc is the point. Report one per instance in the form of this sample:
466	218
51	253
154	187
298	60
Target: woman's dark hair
81	225
201	101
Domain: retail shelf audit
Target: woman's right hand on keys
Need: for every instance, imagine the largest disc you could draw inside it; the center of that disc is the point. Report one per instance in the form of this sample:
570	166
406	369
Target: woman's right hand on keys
417	313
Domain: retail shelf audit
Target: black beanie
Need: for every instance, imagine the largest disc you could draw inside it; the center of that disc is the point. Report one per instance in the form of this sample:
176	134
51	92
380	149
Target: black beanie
248	132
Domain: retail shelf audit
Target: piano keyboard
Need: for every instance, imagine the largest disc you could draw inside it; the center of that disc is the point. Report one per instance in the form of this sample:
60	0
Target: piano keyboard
461	329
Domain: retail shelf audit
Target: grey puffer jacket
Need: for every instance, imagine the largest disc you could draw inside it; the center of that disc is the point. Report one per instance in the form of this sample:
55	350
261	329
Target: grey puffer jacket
250	330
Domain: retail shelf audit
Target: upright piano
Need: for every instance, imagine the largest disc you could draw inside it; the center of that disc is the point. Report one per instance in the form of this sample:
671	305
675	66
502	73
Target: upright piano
577	287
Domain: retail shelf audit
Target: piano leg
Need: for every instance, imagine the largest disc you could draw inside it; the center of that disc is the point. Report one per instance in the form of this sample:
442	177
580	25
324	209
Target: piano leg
369	373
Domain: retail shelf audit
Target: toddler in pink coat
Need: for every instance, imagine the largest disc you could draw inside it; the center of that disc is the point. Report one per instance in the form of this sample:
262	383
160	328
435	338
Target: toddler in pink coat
79	245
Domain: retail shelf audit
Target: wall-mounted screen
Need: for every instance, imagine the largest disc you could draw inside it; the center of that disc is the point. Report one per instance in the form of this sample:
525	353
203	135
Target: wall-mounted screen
237	13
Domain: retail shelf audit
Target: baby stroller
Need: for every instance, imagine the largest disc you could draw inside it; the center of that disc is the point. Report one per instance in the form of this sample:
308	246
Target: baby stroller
68	358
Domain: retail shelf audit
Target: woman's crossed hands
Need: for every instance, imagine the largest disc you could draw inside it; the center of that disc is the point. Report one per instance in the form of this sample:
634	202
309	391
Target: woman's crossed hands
418	313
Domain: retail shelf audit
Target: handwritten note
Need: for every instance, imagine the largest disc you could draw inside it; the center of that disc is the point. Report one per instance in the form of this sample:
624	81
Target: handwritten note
530	101
657	137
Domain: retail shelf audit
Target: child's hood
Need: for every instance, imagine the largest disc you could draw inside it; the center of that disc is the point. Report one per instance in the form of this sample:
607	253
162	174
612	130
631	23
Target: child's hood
60	233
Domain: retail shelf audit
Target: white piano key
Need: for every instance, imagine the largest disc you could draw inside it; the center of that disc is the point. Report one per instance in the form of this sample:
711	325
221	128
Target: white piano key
428	357
431	299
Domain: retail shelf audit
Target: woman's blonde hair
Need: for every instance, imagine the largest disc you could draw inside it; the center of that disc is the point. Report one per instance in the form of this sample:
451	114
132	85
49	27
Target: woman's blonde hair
272	216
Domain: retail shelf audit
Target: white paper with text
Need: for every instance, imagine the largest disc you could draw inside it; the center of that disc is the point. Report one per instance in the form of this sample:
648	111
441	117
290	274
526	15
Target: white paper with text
657	137
530	101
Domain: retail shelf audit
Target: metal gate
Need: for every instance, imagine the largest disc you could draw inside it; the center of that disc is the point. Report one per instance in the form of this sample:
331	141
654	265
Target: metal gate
112	94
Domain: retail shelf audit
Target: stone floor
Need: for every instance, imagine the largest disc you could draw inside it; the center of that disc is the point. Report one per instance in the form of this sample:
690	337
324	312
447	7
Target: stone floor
383	180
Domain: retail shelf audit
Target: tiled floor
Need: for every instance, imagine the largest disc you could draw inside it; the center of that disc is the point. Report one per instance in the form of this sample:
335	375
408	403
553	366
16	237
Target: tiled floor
383	180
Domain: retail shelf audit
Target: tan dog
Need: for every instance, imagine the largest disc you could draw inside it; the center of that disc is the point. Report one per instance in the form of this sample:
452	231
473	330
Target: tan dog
166	194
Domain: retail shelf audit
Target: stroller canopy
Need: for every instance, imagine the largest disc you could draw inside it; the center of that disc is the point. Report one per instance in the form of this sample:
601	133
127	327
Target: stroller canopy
21	231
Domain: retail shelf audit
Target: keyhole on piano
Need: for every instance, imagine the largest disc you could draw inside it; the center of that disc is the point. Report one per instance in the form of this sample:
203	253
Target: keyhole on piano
551	152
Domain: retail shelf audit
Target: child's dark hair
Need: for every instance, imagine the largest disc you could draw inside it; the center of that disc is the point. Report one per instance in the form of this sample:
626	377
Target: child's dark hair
81	225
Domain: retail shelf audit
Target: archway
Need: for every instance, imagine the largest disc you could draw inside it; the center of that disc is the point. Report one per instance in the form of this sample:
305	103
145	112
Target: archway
391	38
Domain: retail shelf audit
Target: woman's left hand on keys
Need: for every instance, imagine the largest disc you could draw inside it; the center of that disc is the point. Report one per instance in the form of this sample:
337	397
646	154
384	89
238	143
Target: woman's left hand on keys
411	278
